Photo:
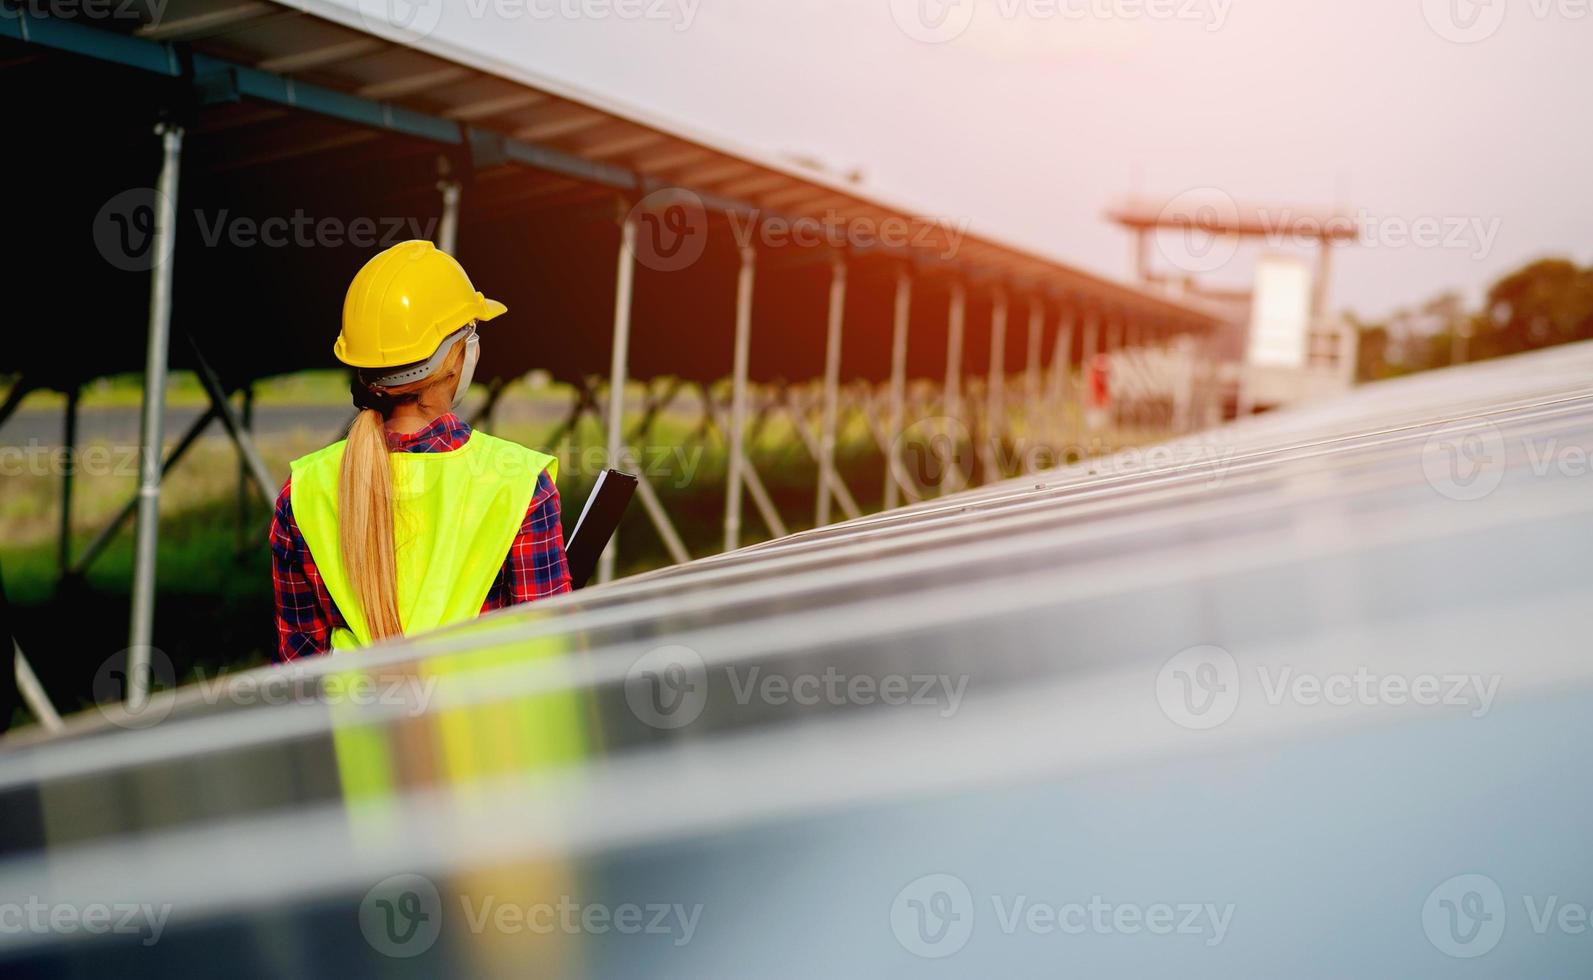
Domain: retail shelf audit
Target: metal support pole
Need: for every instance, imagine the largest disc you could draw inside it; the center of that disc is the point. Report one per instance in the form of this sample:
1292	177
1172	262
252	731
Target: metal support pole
996	386
68	471
19	390
619	361
114	526
898	395
832	385
1092	343
1032	367
33	692
142	627
952	398
448	227
738	400
1061	371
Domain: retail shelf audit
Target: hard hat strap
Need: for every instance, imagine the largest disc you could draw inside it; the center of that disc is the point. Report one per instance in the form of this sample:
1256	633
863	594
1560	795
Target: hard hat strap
422	369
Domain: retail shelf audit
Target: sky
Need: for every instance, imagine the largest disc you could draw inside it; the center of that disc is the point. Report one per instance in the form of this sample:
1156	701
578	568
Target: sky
1449	130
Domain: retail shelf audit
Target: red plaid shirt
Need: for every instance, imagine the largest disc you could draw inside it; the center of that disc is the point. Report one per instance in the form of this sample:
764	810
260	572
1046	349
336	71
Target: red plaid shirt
306	615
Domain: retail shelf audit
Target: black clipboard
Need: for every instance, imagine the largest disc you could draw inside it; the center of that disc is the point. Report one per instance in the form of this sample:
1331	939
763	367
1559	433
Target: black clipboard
599	518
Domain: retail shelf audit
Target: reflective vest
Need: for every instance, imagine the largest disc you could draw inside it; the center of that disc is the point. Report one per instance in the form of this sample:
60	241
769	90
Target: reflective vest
455	516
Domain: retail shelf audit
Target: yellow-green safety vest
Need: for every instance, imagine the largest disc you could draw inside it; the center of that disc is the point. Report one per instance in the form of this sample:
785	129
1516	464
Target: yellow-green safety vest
455	515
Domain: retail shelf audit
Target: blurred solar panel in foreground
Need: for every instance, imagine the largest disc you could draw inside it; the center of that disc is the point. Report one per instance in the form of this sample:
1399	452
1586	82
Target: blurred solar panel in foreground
1305	696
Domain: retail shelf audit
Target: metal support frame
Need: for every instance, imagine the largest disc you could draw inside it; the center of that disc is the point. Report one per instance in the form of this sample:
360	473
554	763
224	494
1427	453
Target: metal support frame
717	419
738	399
1032	392
951	394
619	361
142	626
235	427
897	406
797	414
832	384
995	388
1061	374
20	389
33	692
68	472
109	532
448	227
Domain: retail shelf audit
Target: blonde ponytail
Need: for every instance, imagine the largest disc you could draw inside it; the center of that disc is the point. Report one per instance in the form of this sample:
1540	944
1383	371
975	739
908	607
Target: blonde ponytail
365	497
365	521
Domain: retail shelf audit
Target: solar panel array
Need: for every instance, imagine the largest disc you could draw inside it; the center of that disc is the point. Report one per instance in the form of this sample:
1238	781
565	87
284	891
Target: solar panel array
1306	695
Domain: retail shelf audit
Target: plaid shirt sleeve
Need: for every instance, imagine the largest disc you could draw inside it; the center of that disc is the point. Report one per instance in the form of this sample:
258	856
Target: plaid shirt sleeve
306	615
535	566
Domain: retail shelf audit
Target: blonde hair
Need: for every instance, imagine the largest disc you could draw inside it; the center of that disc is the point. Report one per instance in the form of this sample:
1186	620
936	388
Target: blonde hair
365	496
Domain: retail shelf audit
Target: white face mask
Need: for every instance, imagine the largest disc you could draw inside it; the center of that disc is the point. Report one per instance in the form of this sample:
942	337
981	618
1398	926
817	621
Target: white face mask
467	370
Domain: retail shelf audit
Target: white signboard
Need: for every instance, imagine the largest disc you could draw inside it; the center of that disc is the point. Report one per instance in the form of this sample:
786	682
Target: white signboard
1280	312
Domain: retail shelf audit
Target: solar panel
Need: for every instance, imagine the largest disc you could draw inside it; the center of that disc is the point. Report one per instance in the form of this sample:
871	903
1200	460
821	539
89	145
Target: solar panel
1300	696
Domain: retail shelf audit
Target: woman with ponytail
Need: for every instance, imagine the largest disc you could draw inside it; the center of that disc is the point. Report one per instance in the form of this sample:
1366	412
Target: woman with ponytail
414	521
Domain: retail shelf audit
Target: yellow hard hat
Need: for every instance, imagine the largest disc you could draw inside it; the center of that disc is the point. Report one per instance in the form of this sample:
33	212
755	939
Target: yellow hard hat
404	303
